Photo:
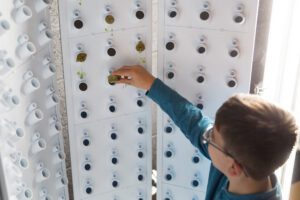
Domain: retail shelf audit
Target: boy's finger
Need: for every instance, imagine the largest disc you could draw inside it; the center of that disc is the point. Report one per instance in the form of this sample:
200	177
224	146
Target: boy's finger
125	67
122	72
124	80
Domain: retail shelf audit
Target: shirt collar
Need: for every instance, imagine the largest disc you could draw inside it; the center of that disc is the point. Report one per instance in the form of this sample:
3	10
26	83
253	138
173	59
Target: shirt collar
273	194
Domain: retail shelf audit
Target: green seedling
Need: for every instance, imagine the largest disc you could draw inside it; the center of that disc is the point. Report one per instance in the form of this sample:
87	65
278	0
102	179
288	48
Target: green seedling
142	60
81	74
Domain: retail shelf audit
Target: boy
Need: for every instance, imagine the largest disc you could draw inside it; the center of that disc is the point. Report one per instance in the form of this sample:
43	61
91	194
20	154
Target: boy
250	138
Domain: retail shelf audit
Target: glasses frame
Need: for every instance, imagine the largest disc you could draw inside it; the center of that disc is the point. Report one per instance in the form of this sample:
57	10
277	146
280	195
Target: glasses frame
207	139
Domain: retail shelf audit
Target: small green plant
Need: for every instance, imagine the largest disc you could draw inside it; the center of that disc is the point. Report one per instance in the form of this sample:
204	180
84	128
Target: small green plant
142	60
81	74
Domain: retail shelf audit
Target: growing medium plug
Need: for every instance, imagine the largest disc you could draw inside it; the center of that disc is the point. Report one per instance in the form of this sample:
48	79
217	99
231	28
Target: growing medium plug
112	79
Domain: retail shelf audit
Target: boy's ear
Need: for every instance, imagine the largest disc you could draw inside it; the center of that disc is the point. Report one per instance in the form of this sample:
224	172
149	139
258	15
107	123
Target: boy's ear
236	169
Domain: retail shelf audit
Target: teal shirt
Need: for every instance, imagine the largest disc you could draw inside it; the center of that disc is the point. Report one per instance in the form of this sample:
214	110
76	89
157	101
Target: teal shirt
193	123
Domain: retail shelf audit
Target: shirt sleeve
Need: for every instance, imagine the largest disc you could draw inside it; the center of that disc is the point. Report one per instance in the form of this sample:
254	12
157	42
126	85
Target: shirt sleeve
185	115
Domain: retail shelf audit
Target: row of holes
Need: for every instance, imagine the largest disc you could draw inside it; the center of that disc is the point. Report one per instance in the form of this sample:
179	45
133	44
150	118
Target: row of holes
170	45
205	15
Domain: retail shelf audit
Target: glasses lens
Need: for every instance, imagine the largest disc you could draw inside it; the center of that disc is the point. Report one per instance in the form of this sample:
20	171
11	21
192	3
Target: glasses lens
205	137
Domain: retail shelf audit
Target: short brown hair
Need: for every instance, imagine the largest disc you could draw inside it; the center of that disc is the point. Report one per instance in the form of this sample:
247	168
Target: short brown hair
257	133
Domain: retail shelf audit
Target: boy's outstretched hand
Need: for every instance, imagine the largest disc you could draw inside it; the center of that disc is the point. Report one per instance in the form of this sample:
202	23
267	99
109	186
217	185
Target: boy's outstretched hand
135	75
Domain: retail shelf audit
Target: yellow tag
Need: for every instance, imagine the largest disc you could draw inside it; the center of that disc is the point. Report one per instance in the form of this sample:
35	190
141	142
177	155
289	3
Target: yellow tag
140	47
81	57
109	19
112	79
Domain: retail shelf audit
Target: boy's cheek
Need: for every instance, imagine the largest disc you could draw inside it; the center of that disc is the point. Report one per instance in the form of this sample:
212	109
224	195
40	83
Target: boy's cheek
216	159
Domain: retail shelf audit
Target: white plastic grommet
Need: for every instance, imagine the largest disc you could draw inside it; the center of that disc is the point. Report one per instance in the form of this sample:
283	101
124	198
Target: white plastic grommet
45	37
42	4
4	26
31	85
25	50
22	14
42	175
52	101
34	117
55	128
49	71
38	145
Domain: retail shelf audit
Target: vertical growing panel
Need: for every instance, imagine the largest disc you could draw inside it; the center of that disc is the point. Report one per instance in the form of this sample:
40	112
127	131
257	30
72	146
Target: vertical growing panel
31	147
205	52
109	125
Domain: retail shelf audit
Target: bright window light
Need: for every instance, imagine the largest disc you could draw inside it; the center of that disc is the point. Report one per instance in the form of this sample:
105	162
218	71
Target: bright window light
282	72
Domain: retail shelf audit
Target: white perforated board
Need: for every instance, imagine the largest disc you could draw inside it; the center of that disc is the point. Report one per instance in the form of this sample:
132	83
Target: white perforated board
31	144
200	67
106	142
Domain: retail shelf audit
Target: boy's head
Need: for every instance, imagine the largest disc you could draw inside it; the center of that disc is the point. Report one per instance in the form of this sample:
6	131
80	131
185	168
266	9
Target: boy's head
258	134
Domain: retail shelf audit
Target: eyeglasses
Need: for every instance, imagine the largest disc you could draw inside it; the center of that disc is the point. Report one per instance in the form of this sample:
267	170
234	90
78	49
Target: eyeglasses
207	139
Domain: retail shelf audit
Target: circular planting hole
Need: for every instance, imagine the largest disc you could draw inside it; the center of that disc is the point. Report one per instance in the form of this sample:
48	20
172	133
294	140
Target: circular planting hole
28	194
38	114
170	75
35	83
83	114
30	47
195	183
27	11
140	154
140	14
5	25
15	100
113	136
201	50
200	106
111	52
19	132
42	144
200	79
168	129
168	177
45	173
170	46
204	15
196	159
87	167
89	190
140	177
140	103
233	53
23	163
172	13
83	86
112	108
78	24
10	63
86	142
239	19
115	184
231	83
168	154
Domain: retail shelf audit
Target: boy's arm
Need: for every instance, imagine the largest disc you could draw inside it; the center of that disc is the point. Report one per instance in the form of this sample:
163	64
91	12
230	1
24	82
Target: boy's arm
185	115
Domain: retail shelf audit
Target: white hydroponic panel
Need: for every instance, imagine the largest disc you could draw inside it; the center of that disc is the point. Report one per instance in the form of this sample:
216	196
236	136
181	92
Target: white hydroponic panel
205	52
32	156
109	125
